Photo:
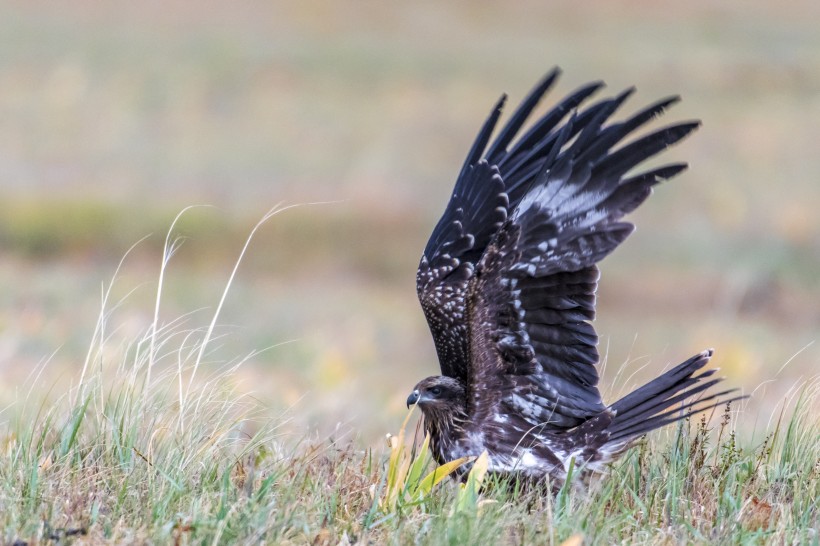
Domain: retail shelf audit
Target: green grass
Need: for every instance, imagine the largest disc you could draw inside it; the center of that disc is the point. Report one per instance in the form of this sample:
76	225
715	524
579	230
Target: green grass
123	461
151	443
117	115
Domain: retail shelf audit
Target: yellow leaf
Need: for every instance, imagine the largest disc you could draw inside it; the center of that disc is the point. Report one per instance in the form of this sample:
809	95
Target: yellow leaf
418	465
467	500
434	478
480	467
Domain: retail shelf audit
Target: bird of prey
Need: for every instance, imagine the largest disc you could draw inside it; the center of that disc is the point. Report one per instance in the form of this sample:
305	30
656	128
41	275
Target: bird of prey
507	283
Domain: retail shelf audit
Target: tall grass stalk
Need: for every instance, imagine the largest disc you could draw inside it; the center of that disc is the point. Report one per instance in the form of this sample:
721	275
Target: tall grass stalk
169	248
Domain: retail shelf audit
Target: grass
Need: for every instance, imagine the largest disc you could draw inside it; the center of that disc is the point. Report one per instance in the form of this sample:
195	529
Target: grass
153	444
123	463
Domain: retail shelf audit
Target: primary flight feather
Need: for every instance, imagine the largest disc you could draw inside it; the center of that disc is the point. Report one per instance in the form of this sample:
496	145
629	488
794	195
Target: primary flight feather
507	283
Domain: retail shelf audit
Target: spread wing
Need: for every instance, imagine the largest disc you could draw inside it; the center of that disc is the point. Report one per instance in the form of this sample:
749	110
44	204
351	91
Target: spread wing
495	179
488	187
532	345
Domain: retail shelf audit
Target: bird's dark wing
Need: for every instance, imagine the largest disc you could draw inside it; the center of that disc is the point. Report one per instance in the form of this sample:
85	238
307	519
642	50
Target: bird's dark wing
532	296
476	211
478	206
494	179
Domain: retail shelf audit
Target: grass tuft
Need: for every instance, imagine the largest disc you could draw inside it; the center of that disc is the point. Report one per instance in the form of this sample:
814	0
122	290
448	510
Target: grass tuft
406	490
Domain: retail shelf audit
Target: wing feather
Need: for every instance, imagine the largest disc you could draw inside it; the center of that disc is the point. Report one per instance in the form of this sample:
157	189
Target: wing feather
533	349
508	277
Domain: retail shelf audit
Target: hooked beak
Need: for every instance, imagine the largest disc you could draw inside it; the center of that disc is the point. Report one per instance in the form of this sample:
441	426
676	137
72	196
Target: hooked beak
413	398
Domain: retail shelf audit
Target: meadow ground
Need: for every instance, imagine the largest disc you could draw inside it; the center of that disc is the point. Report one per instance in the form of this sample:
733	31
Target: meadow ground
150	444
114	117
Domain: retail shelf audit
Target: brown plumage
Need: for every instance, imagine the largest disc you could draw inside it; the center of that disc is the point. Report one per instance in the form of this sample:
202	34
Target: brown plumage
507	283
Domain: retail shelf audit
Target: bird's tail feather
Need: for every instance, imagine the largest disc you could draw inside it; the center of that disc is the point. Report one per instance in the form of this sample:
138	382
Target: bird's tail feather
665	400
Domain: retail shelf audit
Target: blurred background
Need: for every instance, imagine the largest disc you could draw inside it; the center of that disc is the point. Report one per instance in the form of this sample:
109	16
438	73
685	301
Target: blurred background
114	116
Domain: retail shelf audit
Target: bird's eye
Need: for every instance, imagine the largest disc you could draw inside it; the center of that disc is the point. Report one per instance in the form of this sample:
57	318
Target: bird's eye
435	391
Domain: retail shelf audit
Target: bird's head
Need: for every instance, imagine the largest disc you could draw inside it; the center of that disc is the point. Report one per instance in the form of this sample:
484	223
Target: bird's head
437	393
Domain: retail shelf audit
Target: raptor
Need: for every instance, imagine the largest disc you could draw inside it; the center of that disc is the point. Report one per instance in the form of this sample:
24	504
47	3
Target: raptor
507	283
